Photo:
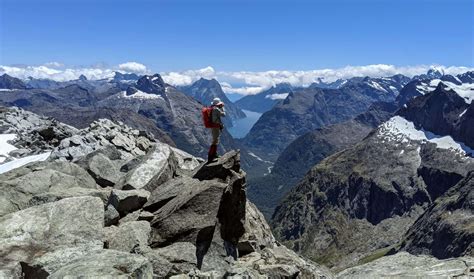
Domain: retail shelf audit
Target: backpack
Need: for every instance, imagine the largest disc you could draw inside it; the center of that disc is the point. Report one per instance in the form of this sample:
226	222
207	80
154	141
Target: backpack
207	118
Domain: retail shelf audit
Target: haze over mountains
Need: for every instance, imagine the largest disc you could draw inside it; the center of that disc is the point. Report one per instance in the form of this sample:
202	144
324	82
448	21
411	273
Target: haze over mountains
346	171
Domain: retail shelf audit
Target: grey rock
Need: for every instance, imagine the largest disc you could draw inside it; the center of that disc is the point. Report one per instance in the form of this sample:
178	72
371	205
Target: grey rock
186	161
177	258
170	190
258	234
98	135
143	143
188	215
128	236
281	262
11	271
127	201
59	194
107	264
34	134
155	169
404	265
105	171
111	216
221	168
69	222
208	212
280	271
130	217
146	216
21	185
47	263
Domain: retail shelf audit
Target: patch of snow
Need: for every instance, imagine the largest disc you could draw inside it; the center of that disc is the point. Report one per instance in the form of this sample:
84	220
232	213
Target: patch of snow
399	129
7	90
425	88
462	113
377	86
140	95
276	96
465	90
23	161
5	147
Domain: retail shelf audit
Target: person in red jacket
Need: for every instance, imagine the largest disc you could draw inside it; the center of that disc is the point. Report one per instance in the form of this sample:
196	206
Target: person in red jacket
216	114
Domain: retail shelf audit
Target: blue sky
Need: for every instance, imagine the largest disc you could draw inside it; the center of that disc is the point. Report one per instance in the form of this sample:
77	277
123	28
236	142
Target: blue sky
237	35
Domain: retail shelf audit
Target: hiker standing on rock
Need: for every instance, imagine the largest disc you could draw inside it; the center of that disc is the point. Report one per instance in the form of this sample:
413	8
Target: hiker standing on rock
212	119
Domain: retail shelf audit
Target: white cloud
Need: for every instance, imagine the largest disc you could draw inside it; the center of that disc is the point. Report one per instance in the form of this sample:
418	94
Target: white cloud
189	76
240	82
254	82
44	72
56	71
133	67
276	96
53	65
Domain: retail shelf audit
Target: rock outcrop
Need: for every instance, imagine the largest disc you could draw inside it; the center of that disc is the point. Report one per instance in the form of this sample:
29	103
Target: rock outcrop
33	133
405	265
445	230
111	201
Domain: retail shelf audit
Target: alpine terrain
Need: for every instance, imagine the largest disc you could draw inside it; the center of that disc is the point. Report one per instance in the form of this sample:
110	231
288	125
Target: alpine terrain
395	190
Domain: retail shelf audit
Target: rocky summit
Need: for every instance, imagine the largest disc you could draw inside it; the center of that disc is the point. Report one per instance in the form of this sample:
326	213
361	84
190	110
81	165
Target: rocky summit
111	201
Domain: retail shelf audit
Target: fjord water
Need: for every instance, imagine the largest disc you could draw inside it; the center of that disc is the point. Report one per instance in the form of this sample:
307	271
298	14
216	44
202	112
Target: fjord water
242	126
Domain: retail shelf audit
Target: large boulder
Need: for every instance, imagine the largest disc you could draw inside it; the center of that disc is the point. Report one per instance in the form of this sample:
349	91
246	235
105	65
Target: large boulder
103	165
128	236
281	262
177	258
186	161
405	265
169	191
208	212
29	185
258	234
221	168
107	264
34	231
128	201
188	215
155	168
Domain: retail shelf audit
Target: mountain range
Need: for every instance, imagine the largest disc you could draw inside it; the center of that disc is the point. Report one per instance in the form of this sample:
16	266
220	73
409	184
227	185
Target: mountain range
366	199
357	175
310	108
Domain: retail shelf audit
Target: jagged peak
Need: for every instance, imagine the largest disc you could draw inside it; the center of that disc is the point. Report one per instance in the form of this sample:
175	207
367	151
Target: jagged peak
151	84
